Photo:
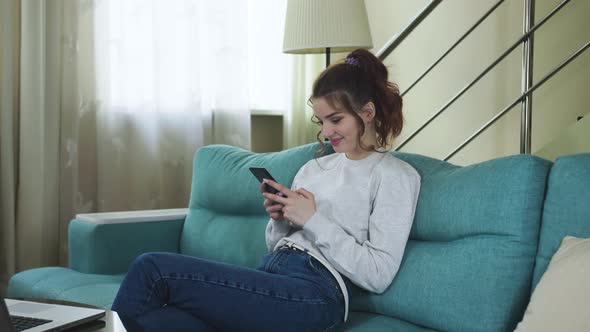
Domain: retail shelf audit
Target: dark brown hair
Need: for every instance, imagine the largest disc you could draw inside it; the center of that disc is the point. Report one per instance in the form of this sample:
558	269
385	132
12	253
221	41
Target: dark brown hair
352	83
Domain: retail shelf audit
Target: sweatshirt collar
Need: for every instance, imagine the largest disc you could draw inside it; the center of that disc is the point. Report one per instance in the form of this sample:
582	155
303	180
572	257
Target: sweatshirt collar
370	159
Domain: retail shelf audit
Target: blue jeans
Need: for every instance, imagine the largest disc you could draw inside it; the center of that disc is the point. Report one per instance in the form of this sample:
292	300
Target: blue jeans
289	291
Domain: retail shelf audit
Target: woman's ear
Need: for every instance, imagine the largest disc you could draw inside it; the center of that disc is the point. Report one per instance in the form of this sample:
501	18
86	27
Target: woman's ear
368	112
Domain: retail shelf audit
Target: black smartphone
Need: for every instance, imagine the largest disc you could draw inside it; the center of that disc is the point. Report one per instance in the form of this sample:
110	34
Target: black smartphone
261	173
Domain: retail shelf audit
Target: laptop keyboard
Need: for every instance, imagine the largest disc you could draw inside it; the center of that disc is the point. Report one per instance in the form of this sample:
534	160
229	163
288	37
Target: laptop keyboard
23	323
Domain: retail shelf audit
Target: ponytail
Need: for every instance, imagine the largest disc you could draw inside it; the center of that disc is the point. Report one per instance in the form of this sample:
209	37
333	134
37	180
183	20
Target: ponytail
352	83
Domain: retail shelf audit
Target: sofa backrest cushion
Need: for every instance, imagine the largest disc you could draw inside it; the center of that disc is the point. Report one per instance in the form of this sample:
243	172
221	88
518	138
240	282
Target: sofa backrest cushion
567	207
469	261
226	220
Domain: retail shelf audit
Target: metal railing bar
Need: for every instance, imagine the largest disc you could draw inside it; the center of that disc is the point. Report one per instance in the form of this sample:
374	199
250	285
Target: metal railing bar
488	69
399	38
490	11
519	99
526	116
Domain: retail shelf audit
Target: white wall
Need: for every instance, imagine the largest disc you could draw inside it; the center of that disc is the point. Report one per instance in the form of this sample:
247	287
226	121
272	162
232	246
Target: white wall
556	105
575	139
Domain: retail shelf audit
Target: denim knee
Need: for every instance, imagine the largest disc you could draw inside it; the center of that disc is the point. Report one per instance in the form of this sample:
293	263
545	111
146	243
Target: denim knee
142	271
147	261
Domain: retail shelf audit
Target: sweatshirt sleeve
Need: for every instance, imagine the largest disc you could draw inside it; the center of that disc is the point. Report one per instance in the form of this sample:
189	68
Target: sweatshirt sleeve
275	231
278	229
374	263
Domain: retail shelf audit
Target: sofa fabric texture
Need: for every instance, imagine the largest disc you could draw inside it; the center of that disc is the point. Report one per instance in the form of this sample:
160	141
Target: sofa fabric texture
567	207
110	248
65	284
469	264
472	246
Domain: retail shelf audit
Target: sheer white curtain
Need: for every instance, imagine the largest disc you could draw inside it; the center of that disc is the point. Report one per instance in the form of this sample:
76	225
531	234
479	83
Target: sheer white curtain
171	76
104	103
298	128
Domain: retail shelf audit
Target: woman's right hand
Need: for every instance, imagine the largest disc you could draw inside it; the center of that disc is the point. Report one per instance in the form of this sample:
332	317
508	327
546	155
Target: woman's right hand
274	209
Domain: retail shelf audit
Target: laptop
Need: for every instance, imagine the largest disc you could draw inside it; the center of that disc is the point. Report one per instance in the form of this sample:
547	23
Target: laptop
16	316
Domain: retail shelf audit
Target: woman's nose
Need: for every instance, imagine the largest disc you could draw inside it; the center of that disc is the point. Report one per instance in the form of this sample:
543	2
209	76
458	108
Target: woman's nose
326	131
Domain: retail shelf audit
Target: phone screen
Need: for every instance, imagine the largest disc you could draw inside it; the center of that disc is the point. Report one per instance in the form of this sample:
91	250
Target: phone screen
261	173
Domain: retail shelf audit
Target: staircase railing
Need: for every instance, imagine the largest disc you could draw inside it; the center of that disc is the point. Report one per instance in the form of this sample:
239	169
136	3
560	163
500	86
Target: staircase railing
527	74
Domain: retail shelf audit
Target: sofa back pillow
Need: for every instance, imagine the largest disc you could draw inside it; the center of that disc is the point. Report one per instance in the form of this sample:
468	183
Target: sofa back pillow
226	220
469	261
567	207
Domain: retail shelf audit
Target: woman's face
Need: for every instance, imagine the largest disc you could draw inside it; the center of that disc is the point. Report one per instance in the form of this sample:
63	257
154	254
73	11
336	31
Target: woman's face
340	127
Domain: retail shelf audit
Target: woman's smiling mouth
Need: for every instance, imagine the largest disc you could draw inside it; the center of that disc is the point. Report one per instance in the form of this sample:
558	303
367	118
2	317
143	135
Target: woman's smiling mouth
335	142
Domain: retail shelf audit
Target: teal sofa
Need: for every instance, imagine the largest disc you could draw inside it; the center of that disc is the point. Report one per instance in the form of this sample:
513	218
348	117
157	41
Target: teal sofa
482	237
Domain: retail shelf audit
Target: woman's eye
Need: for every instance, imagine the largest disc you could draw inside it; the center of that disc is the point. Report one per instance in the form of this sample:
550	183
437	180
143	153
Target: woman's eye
335	121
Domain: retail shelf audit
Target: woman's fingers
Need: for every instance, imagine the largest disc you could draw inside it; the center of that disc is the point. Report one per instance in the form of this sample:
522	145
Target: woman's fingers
275	211
304	193
276	198
274	208
277	216
282	189
262	185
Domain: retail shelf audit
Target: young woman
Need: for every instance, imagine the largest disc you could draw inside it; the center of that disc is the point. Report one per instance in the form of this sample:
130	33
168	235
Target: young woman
345	220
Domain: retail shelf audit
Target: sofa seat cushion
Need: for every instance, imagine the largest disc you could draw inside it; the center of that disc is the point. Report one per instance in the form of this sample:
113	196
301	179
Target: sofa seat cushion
64	284
363	321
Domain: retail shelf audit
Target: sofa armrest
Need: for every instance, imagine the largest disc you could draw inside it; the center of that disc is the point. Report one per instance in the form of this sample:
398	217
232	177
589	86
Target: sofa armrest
106	243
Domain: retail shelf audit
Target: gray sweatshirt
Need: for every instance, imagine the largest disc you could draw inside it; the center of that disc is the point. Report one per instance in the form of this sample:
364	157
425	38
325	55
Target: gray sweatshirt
365	210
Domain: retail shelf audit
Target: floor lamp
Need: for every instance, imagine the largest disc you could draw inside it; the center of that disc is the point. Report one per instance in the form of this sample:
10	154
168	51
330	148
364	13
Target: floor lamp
326	26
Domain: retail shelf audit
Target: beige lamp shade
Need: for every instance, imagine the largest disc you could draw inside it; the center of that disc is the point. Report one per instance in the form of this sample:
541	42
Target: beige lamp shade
311	26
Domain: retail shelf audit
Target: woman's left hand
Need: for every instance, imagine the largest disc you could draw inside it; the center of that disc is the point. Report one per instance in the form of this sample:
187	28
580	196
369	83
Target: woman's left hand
298	206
